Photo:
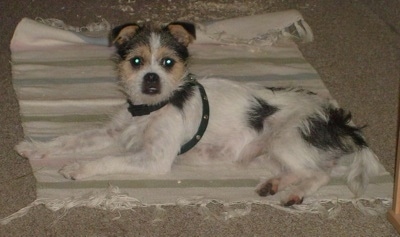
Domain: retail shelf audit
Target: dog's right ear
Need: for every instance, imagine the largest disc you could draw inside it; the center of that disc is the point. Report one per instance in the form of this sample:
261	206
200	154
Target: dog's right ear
184	32
121	34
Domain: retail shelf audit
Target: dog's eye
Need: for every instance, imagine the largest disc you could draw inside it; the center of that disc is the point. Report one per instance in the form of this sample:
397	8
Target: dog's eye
136	61
168	62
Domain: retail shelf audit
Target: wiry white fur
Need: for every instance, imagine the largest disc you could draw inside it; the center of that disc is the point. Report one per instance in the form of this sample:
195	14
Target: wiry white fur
365	164
150	144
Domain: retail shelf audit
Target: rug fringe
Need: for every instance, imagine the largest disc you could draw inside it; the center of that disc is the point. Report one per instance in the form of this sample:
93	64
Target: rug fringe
373	208
303	30
231	212
298	30
91	28
22	212
112	199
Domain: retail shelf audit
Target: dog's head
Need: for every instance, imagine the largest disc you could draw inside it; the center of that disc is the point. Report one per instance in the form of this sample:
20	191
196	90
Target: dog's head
153	59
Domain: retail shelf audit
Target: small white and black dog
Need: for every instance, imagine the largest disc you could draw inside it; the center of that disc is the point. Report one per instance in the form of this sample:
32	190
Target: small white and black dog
170	113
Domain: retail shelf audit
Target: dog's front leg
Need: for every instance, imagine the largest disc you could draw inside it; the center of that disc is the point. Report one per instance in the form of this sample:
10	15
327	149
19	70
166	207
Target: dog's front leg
137	163
80	143
77	144
155	156
148	161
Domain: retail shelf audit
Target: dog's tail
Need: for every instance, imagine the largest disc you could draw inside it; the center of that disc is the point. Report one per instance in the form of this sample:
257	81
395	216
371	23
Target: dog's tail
335	132
365	165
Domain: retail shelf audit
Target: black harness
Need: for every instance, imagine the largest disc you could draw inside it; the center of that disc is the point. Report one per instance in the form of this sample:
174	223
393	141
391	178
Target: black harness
141	110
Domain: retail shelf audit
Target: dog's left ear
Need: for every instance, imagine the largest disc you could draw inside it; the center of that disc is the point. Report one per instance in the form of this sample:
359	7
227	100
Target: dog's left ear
121	34
184	32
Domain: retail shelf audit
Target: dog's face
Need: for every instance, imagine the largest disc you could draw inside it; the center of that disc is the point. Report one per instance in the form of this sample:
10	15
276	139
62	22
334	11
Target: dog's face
153	59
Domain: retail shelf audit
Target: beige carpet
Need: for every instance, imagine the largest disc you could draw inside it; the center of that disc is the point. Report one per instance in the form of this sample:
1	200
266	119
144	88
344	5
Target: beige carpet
352	48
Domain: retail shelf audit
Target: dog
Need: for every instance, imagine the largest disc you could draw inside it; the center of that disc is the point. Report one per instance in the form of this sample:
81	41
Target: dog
170	114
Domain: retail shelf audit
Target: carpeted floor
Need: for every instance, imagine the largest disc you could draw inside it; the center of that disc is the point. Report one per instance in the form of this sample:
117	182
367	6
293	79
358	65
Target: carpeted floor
356	51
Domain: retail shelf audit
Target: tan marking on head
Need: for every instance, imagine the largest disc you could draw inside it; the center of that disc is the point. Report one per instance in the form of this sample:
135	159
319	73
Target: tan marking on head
126	71
125	34
152	57
181	34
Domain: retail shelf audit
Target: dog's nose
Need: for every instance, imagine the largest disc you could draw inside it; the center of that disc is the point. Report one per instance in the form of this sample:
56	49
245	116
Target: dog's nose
151	84
151	78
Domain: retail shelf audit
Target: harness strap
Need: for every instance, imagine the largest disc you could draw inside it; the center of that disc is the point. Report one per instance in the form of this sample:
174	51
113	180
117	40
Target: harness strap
203	124
141	110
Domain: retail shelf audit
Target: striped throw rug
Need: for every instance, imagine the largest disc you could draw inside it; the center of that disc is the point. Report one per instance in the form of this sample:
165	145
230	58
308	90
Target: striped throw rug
65	83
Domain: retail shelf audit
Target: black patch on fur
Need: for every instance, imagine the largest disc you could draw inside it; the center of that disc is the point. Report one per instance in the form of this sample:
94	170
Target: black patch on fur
335	132
258	112
289	89
182	95
273	89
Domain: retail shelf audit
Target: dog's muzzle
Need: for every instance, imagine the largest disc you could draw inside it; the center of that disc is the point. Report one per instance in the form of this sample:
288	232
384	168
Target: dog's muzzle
151	84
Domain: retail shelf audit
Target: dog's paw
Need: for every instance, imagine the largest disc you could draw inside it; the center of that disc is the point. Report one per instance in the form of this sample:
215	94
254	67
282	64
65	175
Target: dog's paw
293	199
30	150
267	188
74	171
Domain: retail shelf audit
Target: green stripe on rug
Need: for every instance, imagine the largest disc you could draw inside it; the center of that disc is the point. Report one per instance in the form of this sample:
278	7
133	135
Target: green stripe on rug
67	118
187	183
69	63
184	183
272	77
267	60
67	81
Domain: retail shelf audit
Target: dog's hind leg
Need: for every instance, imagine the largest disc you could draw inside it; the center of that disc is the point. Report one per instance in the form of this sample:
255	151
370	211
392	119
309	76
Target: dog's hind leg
306	187
299	185
278	183
253	149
